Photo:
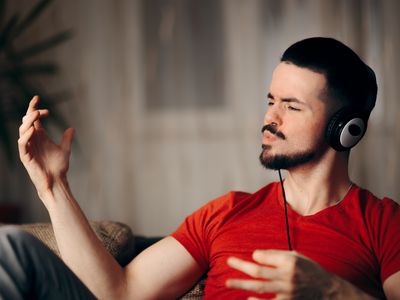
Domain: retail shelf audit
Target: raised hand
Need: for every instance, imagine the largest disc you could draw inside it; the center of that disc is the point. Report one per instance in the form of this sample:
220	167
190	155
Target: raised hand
44	160
287	274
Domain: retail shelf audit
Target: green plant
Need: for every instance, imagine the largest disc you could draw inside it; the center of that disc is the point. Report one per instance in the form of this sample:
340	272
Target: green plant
18	68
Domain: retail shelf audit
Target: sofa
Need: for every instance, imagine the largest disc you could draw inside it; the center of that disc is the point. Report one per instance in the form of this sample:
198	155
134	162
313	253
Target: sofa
119	241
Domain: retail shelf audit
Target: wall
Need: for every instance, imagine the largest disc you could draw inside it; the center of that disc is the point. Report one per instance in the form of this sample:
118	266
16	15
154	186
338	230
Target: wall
168	98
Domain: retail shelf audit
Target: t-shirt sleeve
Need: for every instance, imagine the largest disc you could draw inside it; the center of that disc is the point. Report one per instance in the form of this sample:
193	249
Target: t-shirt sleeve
387	226
195	232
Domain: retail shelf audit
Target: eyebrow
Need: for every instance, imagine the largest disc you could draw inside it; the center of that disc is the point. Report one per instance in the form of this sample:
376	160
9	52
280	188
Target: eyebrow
291	99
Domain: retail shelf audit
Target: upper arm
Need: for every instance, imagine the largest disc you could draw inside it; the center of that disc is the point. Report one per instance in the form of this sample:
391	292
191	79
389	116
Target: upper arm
391	286
165	270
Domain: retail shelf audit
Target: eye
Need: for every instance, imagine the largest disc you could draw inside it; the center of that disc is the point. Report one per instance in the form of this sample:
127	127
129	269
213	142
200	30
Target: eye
293	108
270	103
290	107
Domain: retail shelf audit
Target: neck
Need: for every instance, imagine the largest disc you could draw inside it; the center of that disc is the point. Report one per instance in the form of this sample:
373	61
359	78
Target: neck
315	186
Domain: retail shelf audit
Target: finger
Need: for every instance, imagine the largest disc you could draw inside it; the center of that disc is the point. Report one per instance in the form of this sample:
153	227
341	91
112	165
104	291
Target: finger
284	296
256	298
252	269
23	142
32	119
257	286
43	113
33	104
27	121
275	258
67	139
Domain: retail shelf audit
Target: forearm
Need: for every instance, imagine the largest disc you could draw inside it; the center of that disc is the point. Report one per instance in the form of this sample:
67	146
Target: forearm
341	289
79	246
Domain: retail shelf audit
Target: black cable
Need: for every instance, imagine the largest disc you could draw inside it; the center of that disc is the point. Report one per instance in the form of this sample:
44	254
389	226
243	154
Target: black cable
286	215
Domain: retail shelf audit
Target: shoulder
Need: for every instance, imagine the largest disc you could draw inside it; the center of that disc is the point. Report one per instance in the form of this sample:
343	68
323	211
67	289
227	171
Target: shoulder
372	204
374	213
382	217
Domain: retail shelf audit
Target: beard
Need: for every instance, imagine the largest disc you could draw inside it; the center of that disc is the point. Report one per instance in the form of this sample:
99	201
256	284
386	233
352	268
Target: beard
284	161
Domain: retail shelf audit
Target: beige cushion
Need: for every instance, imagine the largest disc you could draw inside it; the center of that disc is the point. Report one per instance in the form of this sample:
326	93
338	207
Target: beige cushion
116	237
196	292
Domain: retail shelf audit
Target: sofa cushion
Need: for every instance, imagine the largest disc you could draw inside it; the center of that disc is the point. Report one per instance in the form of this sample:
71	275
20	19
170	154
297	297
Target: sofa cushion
196	292
116	237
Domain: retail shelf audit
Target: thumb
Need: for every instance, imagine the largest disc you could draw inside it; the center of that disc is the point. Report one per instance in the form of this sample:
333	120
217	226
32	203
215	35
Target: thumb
67	139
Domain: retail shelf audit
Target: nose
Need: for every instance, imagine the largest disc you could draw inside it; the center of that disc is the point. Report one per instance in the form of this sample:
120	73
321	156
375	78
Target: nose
273	116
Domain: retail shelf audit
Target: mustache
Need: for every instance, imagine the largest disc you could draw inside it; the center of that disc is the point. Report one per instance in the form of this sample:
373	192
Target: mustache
272	129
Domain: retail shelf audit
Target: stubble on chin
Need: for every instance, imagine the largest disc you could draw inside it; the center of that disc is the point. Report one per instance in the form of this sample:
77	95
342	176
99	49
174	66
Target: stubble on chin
284	161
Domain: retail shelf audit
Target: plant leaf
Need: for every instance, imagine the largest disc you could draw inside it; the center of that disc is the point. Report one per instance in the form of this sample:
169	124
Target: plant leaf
32	16
32	69
5	140
15	74
2	10
5	34
24	90
44	45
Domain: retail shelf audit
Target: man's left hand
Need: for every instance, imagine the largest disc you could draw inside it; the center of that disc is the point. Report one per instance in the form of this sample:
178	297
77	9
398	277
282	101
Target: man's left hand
287	274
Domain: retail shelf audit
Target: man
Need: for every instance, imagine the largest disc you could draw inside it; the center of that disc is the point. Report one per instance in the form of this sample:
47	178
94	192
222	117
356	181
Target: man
346	242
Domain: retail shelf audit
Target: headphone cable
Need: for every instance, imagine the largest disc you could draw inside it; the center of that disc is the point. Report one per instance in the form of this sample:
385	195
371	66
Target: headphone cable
286	214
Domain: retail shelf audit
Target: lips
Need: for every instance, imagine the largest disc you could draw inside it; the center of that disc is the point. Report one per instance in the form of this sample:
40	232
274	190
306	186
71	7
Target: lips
273	132
268	137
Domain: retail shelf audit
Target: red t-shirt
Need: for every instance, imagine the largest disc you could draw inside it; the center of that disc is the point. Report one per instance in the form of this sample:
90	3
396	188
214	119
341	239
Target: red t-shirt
358	239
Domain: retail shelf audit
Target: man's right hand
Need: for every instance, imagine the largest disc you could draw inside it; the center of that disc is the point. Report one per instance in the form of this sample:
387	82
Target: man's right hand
44	160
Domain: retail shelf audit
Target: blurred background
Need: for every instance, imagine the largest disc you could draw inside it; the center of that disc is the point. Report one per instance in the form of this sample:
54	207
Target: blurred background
167	98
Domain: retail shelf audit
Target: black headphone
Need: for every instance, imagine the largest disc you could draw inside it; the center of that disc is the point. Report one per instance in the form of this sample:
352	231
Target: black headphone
346	128
348	125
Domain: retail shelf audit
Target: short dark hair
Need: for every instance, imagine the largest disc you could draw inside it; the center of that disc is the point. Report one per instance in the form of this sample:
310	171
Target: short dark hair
349	80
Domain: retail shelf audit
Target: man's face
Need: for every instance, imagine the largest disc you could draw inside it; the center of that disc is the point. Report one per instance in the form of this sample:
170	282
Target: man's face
295	122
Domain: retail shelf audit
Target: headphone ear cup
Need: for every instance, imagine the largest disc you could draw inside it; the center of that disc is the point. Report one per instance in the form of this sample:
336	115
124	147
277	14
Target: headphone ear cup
345	129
